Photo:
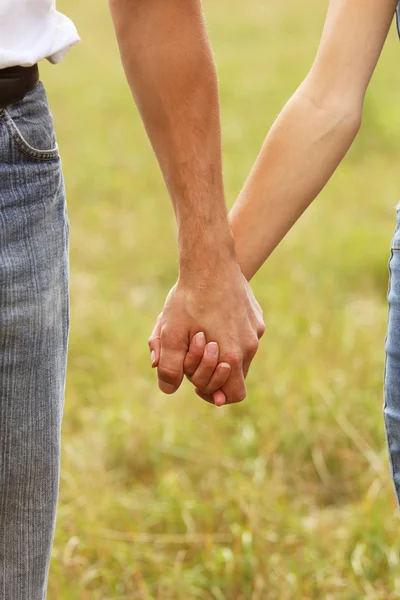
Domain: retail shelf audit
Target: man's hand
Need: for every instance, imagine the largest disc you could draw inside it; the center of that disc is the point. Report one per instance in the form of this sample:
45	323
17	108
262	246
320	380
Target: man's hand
171	71
220	310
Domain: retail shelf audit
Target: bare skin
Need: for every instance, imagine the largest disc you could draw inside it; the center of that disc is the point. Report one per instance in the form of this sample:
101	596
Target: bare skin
170	69
309	139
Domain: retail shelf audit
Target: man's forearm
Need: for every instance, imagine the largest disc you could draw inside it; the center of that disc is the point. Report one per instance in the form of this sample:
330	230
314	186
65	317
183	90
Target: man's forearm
170	68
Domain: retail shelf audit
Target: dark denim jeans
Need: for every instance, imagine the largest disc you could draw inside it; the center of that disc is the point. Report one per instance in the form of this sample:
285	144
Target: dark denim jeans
33	342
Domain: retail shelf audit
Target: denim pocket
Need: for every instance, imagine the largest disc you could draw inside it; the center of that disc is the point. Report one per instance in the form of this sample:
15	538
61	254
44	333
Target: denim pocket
31	126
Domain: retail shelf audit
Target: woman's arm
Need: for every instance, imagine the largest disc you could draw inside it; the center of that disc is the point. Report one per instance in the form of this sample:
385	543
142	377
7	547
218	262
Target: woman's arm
314	130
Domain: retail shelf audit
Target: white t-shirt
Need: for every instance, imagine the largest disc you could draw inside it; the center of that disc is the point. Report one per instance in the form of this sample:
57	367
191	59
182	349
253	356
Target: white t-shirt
31	30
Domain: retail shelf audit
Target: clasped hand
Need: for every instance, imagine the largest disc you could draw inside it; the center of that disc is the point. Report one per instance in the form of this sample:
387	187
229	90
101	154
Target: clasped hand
208	330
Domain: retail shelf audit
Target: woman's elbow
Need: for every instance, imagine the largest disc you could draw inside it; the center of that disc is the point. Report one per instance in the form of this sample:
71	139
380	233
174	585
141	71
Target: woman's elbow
352	117
340	114
338	101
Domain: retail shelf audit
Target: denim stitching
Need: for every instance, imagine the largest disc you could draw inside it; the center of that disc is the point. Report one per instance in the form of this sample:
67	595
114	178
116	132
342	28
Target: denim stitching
24	146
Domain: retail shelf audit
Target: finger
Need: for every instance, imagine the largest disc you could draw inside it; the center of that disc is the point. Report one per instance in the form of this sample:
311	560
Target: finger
170	369
218	398
235	387
218	379
195	353
154	342
205	370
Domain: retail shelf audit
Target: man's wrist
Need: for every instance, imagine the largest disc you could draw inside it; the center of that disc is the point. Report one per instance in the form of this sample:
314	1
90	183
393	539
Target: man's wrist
204	252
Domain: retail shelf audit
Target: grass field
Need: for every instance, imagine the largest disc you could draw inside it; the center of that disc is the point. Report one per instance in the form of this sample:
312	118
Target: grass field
288	495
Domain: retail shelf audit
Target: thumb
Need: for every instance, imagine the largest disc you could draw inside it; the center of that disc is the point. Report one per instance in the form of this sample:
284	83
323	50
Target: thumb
170	366
155	342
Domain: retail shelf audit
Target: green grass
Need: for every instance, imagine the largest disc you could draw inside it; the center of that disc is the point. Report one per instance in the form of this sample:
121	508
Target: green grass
288	495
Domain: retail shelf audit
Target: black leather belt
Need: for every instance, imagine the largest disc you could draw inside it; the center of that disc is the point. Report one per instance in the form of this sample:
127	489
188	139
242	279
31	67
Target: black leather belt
15	82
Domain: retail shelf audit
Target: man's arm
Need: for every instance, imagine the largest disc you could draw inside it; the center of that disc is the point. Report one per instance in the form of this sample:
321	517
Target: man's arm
313	132
170	68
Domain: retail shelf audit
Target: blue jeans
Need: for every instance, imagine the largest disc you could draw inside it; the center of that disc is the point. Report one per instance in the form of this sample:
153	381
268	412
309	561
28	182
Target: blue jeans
33	342
391	407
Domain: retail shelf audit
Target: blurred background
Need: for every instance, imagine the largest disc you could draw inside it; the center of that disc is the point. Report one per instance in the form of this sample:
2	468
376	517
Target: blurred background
287	496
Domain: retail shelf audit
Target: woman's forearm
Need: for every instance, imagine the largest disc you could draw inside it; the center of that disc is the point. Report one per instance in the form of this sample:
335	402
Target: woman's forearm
302	150
314	130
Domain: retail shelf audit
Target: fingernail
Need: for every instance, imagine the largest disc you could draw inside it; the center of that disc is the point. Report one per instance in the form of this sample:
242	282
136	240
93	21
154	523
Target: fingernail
152	357
199	339
212	348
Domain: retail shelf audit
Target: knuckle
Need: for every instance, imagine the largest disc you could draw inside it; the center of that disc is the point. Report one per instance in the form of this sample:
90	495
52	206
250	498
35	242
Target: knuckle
234	358
252	346
172	338
165	333
168	374
261	329
152	339
236	393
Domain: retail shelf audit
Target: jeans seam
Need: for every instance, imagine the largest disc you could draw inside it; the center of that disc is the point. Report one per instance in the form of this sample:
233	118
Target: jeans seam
24	146
388	437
